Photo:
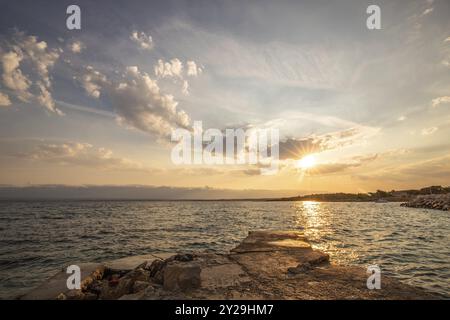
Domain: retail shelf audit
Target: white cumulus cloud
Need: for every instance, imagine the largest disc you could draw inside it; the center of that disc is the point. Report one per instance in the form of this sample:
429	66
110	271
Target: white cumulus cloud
13	78
4	100
192	69
138	102
34	85
144	41
92	82
172	68
77	46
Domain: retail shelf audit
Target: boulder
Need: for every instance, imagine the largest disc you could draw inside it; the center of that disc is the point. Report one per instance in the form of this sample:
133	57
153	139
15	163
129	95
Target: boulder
112	292
140	286
156	271
182	276
300	268
116	287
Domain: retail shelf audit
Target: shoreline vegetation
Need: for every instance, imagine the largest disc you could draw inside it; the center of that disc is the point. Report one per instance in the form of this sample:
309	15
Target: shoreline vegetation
378	196
266	265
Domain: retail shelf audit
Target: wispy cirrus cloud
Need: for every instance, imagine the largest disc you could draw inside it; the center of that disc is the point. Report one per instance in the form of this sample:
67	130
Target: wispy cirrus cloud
440	100
338	167
430	171
428	131
295	148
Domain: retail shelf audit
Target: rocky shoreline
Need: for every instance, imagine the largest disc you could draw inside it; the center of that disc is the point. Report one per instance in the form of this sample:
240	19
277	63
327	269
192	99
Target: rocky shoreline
265	265
432	201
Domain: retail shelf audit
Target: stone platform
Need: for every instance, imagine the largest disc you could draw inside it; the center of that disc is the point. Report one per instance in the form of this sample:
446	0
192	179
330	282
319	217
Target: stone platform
266	265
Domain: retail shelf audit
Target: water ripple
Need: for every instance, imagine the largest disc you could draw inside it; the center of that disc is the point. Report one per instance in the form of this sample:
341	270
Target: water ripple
37	238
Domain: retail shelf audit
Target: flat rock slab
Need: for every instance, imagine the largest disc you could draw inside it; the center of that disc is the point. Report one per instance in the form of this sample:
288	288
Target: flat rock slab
263	241
130	263
57	284
223	276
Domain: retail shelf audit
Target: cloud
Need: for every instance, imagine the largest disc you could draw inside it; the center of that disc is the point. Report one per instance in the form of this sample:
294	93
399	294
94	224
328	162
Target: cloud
4	100
137	100
144	41
192	69
434	168
331	168
77	46
432	171
427	11
250	172
34	86
295	148
185	88
92	81
338	167
440	100
37	51
274	62
79	154
140	103
45	98
429	8
87	109
428	131
13	78
173	68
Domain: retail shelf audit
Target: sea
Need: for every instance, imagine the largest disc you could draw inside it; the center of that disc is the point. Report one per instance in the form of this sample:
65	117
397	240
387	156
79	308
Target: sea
38	238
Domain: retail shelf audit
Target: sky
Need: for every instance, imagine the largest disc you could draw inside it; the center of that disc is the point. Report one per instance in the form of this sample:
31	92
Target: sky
97	106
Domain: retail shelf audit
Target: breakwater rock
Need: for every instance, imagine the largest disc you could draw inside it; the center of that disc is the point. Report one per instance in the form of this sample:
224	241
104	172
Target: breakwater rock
432	201
265	265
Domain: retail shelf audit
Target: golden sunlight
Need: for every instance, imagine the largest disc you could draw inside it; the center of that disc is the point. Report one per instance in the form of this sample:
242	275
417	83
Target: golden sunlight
306	162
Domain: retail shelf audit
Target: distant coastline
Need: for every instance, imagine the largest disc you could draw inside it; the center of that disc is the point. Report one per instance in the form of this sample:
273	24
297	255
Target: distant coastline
378	196
151	193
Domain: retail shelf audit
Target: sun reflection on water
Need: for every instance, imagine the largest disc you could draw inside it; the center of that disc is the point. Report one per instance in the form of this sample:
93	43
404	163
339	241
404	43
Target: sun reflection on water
310	219
313	217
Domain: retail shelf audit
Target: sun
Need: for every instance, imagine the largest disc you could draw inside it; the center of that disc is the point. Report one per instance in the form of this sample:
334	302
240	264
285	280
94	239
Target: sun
306	162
